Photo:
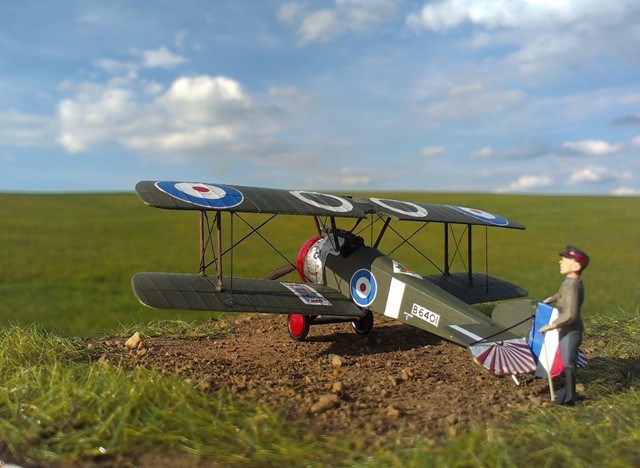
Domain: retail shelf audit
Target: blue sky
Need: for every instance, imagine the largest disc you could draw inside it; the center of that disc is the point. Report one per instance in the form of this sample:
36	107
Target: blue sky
513	96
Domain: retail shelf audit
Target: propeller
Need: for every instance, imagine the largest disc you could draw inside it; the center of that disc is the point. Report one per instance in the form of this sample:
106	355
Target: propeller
280	272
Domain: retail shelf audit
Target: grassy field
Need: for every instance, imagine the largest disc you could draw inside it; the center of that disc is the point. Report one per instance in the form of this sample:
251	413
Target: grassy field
67	260
65	269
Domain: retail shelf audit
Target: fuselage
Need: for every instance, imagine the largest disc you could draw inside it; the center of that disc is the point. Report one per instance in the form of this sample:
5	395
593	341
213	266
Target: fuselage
377	282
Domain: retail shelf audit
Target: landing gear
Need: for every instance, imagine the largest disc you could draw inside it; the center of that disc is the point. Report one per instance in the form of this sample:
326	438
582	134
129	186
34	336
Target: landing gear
298	326
363	325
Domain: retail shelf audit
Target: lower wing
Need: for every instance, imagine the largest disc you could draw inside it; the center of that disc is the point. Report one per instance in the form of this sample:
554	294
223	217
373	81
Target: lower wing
199	292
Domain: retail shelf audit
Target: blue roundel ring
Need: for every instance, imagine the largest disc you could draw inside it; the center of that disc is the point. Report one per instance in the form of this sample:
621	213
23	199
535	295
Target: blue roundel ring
214	196
480	215
363	287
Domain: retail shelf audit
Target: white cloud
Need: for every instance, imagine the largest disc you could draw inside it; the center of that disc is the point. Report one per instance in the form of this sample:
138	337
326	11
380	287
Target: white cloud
636	141
192	118
160	58
115	67
20	129
348	177
596	174
484	152
544	34
291	12
431	152
624	191
346	16
470	101
592	147
587	174
528	182
494	14
151	58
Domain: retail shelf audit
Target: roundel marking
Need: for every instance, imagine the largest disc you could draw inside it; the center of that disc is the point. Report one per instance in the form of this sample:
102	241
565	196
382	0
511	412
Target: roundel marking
490	218
214	196
402	207
323	200
363	287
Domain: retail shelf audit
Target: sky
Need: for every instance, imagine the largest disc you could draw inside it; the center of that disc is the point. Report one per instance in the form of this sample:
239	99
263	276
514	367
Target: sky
504	96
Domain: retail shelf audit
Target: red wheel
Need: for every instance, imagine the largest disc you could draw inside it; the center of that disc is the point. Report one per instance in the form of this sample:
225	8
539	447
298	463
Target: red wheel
298	326
363	325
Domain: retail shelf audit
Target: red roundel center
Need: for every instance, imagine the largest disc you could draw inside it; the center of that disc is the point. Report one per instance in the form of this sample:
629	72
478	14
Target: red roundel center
363	287
200	188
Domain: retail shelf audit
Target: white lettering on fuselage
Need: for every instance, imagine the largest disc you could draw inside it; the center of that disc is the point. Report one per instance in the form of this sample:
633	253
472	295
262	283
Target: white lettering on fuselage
424	314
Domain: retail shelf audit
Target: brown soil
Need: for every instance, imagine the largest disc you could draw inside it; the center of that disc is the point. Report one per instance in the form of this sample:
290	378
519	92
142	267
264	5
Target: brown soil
397	379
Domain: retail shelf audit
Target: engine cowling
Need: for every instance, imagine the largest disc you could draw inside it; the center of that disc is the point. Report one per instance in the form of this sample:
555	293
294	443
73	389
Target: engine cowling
313	253
309	263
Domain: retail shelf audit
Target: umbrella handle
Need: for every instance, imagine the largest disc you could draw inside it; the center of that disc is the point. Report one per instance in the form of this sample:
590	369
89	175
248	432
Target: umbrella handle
552	393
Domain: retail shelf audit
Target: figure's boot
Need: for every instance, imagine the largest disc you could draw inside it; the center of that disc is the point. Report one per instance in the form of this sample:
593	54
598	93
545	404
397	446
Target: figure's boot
569	397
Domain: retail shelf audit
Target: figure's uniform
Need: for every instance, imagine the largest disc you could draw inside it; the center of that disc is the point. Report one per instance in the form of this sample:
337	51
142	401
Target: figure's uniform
568	300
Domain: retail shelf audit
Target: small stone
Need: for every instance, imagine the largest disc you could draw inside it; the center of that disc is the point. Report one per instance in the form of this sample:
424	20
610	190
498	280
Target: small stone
393	412
451	419
133	341
336	361
324	403
337	388
535	400
406	374
392	380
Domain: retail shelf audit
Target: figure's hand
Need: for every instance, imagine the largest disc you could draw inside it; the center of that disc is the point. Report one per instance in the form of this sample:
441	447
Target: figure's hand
548	299
545	328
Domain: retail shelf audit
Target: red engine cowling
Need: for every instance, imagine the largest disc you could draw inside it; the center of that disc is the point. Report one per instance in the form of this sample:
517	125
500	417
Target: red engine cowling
301	260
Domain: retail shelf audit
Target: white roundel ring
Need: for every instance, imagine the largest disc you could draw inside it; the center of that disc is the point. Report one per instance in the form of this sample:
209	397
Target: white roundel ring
323	201
402	207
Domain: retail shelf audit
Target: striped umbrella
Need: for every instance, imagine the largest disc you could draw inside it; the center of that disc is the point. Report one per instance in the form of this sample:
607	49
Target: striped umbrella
504	357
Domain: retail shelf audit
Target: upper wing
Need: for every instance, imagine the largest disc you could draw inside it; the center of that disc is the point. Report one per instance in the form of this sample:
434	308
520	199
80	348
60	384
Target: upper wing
201	196
198	292
430	212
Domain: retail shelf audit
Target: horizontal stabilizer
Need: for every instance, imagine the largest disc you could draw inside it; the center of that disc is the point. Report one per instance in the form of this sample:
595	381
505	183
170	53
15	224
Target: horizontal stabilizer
199	292
504	357
482	288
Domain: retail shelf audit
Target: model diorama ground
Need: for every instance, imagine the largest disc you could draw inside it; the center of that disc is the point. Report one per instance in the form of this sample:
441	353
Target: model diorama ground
396	377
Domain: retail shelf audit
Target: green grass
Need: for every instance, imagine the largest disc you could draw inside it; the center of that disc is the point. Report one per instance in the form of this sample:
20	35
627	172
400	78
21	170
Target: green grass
60	405
56	407
65	268
67	260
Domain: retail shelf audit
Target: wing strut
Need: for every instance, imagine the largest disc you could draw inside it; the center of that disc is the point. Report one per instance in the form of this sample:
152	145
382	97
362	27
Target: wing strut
382	231
470	256
446	249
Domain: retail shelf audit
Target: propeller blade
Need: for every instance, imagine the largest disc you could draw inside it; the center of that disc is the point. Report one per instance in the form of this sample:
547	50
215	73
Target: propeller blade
280	272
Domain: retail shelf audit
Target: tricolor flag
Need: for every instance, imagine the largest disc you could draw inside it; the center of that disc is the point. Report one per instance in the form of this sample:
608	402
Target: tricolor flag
546	346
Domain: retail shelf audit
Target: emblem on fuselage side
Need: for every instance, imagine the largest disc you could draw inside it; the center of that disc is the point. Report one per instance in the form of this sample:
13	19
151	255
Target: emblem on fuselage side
363	287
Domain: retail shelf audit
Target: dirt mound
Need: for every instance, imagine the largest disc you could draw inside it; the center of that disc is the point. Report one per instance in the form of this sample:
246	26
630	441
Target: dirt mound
396	377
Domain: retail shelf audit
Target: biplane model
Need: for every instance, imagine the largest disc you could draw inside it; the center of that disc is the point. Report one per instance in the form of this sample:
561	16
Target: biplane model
342	278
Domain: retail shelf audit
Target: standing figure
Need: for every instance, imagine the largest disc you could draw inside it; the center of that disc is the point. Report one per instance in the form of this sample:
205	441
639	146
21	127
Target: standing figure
568	300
